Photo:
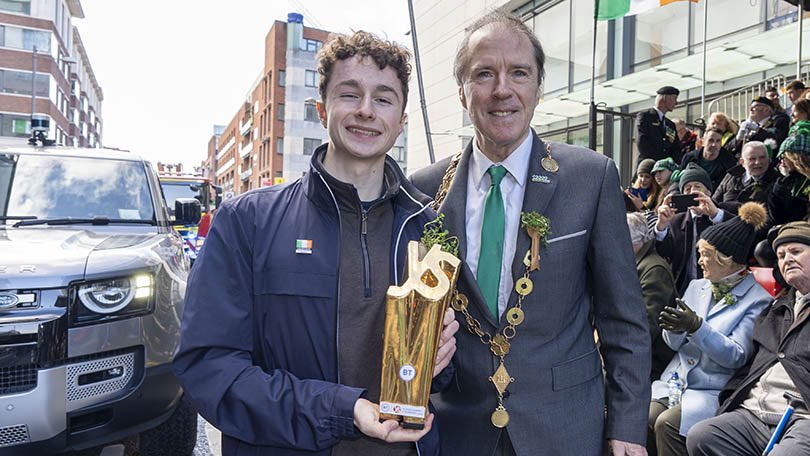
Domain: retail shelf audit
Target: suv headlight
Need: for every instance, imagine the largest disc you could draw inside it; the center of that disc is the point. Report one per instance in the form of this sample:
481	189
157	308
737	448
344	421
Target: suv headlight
119	296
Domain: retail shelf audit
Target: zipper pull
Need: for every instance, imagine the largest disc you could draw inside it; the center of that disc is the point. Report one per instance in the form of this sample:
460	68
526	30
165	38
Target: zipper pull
364	223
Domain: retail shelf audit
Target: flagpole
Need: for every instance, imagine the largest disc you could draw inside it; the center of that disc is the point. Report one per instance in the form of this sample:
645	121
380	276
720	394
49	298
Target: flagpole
421	84
800	10
592	108
703	81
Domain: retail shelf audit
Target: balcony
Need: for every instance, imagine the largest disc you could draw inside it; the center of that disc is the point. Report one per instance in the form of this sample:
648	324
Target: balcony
245	175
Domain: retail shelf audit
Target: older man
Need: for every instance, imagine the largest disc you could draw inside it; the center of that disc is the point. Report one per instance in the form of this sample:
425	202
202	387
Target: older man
712	157
753	398
751	180
762	124
656	136
529	375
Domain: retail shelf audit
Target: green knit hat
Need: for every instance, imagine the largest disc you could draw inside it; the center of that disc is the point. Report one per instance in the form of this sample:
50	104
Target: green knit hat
799	140
665	163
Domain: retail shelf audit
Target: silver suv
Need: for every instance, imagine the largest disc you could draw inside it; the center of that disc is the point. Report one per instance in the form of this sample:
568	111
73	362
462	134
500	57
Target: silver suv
92	279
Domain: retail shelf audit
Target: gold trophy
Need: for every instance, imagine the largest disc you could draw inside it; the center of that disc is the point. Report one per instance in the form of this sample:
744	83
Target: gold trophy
413	324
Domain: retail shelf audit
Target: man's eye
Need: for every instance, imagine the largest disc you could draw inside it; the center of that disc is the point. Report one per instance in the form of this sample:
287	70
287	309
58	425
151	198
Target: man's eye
384	101
349	96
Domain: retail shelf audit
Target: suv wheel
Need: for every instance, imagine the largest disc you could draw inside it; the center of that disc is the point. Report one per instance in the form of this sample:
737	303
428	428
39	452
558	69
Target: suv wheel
176	436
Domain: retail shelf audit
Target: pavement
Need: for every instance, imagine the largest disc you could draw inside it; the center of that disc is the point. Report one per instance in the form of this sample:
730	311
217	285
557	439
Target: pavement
208	439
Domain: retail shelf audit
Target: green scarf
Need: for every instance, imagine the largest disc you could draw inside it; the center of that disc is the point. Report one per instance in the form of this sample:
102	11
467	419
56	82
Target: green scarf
721	290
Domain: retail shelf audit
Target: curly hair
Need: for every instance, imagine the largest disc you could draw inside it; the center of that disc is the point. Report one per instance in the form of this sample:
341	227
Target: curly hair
364	44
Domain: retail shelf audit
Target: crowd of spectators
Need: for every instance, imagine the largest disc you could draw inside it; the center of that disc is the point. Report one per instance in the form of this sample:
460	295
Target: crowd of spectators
719	226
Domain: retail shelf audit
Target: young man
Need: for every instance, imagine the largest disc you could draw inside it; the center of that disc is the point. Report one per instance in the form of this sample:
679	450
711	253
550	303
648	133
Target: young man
541	391
281	346
712	157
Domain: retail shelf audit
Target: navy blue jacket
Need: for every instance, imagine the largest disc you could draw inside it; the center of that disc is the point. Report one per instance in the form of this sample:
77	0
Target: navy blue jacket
258	353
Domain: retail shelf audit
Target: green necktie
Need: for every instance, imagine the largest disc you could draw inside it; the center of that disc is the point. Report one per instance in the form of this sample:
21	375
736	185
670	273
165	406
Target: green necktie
489	259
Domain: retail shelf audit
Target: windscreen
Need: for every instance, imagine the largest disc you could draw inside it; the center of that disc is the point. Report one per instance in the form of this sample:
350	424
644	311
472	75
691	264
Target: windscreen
177	189
53	186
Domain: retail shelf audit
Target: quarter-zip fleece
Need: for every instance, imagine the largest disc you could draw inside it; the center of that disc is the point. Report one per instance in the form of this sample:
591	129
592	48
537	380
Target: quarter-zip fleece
365	248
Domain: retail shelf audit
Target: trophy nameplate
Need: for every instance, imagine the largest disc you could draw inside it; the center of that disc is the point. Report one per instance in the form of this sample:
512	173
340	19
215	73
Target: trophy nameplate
413	324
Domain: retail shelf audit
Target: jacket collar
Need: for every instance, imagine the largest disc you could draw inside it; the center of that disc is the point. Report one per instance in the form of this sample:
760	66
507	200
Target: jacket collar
322	187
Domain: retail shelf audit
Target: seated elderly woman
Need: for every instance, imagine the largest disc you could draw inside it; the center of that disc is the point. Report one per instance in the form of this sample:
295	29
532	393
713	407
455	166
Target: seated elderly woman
753	401
710	330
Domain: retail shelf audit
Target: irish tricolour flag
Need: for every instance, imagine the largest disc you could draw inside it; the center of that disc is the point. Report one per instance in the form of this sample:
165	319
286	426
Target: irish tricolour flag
611	9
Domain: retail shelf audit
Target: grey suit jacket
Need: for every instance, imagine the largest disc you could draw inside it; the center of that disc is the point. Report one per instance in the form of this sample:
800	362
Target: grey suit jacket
559	403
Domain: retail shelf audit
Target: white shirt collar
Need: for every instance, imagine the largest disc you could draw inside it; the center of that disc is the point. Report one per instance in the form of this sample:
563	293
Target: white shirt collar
660	113
516	164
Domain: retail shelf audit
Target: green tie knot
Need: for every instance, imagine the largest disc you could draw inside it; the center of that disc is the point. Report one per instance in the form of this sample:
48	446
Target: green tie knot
496	174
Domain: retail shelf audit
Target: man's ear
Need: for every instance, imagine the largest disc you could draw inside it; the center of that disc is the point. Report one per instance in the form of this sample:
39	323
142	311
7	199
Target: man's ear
461	96
403	120
321	112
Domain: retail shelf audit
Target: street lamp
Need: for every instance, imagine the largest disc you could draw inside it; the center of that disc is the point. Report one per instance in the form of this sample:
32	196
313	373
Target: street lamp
39	124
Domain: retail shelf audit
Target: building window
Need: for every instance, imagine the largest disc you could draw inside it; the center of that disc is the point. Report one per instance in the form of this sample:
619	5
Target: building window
280	115
282	78
310	78
311	45
280	146
310	112
310	144
398	152
42	40
16	6
19	82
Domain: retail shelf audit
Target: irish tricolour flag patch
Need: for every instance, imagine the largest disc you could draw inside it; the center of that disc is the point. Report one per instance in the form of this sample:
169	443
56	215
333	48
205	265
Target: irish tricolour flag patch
303	246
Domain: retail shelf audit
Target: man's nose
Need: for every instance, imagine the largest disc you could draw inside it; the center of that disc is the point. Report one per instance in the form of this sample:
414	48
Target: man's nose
366	108
502	87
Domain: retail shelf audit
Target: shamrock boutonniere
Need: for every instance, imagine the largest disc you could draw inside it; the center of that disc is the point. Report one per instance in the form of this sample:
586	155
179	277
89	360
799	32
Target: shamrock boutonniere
723	293
538	227
434	233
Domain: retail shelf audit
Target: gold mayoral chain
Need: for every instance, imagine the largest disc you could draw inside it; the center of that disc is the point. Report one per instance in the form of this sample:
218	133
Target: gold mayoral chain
499	344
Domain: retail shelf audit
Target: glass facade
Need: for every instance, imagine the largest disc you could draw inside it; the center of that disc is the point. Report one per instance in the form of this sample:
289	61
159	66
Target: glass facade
635	53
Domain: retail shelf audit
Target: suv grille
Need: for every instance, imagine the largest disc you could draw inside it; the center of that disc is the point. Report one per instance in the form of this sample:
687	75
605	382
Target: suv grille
13	435
17	379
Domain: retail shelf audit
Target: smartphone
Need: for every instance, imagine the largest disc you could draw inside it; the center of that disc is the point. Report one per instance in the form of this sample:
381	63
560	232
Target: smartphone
635	191
682	202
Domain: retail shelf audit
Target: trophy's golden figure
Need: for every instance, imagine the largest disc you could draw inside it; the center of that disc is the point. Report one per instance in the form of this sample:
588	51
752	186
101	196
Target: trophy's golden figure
413	324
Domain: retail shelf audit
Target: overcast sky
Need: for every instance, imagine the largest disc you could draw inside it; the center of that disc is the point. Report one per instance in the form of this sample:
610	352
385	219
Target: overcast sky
172	69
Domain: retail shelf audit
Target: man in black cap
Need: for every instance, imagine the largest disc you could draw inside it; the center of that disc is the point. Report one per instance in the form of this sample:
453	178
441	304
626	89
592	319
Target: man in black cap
677	233
656	136
762	124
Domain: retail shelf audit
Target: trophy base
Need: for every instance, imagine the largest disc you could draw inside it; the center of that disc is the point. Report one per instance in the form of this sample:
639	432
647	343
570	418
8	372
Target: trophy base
404	421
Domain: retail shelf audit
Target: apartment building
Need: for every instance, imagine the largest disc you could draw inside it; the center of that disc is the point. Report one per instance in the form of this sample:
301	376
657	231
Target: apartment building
38	37
747	43
271	137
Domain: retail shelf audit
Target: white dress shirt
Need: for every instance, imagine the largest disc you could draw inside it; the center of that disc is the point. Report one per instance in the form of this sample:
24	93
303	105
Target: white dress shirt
513	186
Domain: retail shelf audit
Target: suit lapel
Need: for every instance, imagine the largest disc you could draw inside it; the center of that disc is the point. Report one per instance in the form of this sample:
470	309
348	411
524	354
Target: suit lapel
536	197
738	292
454	208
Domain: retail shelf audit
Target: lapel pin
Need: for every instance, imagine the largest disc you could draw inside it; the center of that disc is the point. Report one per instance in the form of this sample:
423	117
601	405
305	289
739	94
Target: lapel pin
303	246
540	178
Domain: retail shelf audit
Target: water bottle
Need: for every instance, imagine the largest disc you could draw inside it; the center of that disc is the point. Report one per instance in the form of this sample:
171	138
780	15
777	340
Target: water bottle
675	389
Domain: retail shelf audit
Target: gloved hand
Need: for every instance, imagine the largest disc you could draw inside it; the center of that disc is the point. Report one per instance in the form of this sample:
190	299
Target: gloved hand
745	127
679	319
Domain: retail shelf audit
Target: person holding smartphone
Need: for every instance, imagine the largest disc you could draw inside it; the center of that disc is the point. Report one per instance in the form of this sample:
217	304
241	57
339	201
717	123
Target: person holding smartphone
677	231
710	330
645	191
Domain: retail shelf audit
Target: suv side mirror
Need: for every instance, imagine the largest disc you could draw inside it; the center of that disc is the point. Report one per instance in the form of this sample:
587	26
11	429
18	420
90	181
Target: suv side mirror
218	197
187	211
